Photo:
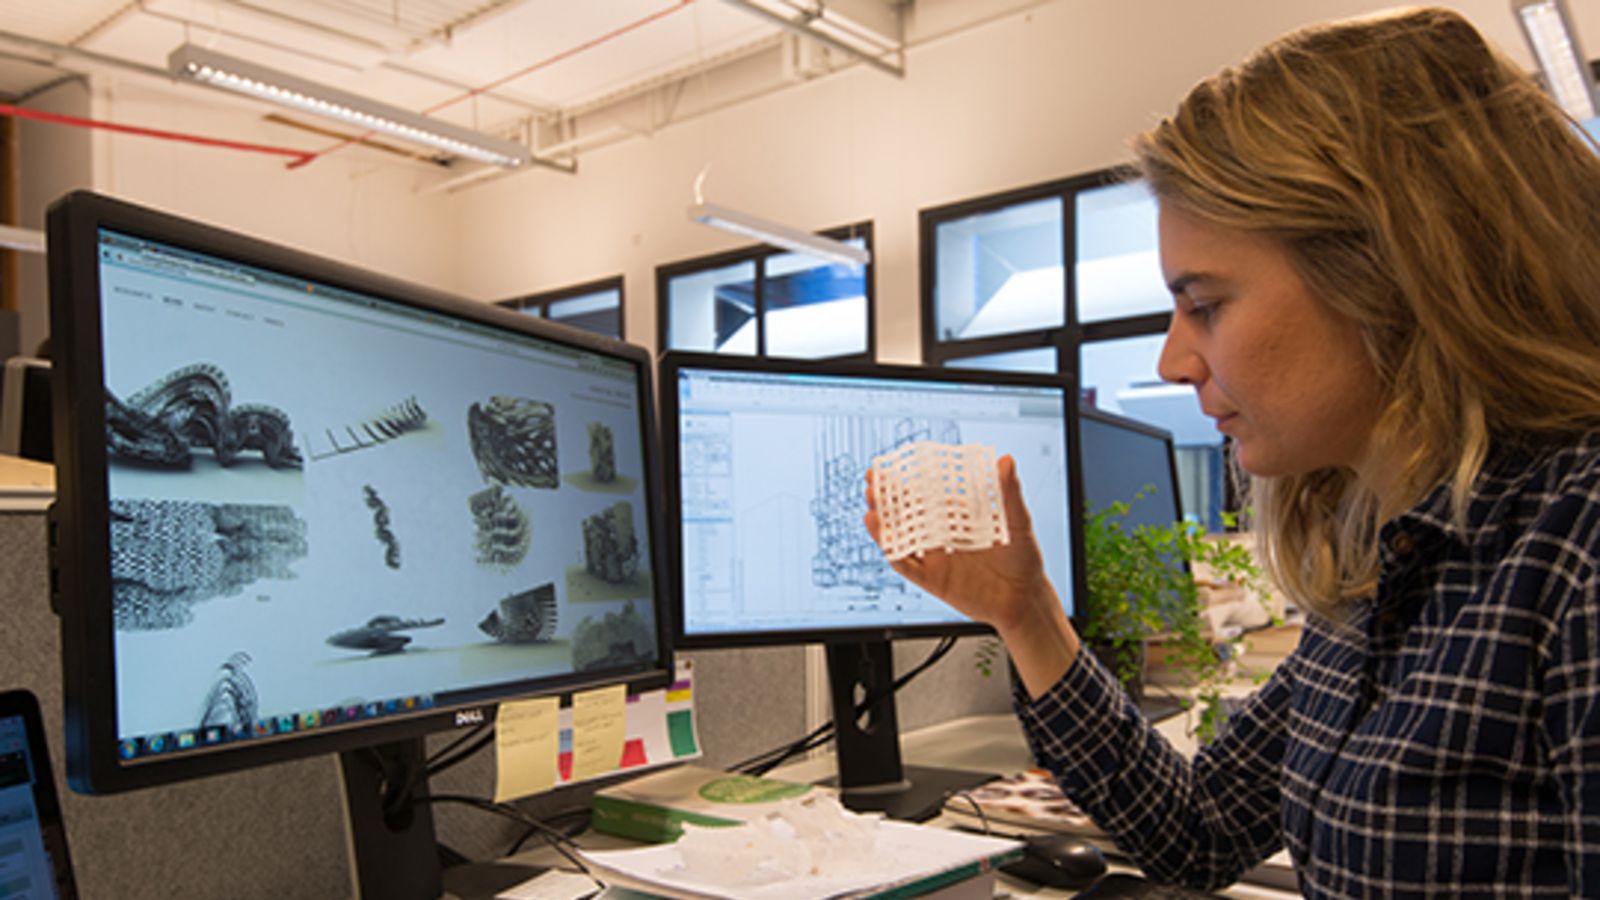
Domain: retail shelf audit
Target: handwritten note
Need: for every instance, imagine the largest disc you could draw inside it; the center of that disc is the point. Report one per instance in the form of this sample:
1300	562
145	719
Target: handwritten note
599	724
527	739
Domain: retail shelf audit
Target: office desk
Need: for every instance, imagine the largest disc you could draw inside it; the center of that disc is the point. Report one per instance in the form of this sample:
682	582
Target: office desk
995	743
991	743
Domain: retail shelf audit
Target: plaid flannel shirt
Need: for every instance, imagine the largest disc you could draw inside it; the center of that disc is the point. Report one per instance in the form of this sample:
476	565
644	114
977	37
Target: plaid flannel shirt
1444	739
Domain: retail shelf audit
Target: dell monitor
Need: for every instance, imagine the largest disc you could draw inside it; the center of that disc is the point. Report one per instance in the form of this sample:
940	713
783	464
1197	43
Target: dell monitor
304	508
766	460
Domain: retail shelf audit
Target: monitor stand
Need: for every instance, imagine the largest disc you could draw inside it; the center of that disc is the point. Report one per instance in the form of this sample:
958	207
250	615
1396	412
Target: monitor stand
394	853
871	777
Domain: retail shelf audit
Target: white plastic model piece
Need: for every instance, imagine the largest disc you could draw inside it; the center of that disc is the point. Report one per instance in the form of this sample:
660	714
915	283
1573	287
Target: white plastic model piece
937	497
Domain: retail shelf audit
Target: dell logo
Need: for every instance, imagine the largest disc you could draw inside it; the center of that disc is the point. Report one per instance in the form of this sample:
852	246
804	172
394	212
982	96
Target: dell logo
469	717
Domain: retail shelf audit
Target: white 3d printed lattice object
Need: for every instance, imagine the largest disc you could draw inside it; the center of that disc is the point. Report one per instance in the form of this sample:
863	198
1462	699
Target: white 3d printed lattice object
937	497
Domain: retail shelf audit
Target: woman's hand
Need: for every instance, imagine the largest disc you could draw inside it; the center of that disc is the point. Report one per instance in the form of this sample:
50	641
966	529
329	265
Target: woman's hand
1004	586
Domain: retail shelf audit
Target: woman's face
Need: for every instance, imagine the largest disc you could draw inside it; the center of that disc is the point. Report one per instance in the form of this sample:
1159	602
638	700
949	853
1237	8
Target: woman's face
1280	372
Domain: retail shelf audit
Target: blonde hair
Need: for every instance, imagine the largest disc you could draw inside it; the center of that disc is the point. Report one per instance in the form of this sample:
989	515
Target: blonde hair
1426	188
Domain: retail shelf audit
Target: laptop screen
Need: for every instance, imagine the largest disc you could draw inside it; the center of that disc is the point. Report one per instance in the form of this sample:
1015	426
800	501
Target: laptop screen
34	864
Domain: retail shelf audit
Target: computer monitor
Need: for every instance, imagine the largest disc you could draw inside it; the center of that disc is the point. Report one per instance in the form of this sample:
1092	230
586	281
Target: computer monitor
765	461
1133	462
1123	457
304	508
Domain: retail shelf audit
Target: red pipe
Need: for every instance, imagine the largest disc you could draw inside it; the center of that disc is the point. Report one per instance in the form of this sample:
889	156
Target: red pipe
301	156
569	52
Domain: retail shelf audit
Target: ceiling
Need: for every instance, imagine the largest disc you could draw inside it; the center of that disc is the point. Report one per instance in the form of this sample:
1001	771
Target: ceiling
543	72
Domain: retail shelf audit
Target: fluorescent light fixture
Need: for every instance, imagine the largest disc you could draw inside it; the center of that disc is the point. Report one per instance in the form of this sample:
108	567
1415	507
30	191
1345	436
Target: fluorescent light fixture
25	239
243	77
1548	28
779	235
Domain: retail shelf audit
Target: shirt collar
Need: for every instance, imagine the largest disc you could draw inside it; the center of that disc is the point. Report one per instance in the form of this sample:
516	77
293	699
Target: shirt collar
1421	531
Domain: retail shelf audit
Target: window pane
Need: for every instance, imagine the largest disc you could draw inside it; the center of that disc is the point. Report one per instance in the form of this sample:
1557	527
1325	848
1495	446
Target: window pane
1038	359
1116	272
1000	272
713	310
534	310
599	312
1120	376
814	309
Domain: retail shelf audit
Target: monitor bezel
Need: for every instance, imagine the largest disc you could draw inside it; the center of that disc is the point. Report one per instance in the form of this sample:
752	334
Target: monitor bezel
79	531
673	362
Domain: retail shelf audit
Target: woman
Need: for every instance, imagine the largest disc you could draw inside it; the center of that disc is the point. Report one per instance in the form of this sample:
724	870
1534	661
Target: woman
1383	244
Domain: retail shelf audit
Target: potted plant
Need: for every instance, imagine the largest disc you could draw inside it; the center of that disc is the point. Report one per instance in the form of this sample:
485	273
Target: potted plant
1136	591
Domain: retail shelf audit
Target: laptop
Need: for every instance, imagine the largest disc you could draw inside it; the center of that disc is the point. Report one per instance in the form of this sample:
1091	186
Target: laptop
33	841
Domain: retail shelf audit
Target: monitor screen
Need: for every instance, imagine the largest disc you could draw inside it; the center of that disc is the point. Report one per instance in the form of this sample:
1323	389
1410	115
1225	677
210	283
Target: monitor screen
1123	458
34	862
769	459
304	508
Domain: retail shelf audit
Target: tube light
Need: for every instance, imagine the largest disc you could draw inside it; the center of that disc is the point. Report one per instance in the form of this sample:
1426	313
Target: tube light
779	235
243	77
1548	28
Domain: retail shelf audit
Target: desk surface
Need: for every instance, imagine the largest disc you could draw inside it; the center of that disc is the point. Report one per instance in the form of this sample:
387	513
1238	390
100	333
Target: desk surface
995	743
991	743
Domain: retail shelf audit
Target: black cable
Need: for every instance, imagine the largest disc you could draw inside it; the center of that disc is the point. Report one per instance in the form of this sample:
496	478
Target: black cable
825	732
557	840
439	764
571	831
469	735
759	764
399	784
977	807
766	761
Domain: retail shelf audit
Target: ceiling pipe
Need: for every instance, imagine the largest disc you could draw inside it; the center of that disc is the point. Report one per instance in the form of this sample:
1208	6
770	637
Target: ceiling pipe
802	27
59	50
21	112
527	70
355	45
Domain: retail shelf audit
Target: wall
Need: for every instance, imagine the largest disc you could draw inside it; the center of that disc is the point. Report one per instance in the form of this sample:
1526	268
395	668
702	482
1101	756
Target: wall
52	159
361	208
1042	94
1051	91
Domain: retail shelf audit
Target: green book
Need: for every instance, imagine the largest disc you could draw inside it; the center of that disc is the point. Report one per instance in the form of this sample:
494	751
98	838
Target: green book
654	807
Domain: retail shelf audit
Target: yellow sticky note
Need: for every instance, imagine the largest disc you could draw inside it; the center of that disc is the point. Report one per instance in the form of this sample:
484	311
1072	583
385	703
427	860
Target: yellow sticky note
527	739
599	724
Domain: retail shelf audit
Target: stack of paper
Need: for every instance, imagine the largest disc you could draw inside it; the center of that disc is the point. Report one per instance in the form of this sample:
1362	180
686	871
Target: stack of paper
909	861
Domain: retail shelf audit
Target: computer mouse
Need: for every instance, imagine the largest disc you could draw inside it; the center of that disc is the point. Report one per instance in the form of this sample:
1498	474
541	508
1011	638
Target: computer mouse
1058	860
